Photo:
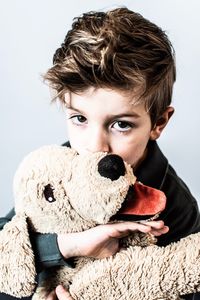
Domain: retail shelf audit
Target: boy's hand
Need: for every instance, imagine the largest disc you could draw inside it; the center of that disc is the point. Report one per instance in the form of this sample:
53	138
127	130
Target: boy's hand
99	242
103	240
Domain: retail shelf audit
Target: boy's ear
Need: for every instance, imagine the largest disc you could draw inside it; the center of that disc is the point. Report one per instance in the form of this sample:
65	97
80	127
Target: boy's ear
161	123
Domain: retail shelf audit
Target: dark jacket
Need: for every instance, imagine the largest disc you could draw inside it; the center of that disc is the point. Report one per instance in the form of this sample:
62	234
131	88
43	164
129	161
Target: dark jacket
181	213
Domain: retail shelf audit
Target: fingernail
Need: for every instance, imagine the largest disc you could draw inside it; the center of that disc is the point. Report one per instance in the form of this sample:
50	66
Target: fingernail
60	289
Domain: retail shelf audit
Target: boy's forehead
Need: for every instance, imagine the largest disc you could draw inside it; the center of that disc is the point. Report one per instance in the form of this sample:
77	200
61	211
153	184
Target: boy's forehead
129	98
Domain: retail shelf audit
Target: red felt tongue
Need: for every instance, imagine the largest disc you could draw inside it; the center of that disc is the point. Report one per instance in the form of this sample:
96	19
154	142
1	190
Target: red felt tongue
145	201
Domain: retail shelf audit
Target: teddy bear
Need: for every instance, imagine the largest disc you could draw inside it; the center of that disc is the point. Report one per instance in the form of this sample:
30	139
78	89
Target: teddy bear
57	190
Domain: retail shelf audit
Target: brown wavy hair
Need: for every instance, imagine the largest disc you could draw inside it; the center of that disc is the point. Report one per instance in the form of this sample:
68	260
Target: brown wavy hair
118	49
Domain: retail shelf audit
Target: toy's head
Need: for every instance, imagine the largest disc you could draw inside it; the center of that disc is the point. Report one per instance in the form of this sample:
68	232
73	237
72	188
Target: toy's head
58	191
61	191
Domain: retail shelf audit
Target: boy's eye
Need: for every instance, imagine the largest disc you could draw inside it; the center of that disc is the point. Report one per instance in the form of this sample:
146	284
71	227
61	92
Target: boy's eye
78	119
122	126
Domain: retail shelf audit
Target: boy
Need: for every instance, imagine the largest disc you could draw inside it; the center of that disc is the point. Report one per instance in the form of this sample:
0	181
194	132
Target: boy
114	73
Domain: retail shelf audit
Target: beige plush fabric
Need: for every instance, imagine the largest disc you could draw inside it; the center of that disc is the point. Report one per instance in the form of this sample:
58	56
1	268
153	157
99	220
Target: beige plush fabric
80	198
148	273
17	268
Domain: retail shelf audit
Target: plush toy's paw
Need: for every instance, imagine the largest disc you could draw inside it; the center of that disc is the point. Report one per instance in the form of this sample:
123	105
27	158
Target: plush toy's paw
147	273
138	239
17	266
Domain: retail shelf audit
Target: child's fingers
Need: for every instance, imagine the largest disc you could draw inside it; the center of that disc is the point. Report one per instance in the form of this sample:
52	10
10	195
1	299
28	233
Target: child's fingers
51	296
123	229
62	294
154	224
158	232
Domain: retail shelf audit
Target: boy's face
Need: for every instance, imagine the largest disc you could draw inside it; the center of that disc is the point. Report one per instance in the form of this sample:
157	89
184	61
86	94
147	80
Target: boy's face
107	120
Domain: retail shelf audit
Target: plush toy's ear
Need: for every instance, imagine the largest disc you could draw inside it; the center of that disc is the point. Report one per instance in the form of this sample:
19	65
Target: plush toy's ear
17	267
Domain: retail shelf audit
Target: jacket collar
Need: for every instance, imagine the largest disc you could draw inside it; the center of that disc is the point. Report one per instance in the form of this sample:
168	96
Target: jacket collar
153	169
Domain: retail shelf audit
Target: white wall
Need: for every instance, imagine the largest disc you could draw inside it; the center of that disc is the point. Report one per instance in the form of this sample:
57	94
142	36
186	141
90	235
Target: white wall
31	30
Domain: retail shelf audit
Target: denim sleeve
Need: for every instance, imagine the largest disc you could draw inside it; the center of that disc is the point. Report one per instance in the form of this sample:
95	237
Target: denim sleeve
47	253
45	247
6	219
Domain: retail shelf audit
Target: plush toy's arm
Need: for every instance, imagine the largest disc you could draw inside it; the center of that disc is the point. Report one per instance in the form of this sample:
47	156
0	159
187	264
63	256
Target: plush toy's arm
143	273
17	267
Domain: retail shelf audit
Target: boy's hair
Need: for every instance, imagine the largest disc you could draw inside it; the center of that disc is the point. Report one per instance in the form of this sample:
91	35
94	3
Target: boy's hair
116	49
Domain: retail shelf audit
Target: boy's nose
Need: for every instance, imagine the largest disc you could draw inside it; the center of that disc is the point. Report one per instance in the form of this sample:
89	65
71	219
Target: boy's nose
98	142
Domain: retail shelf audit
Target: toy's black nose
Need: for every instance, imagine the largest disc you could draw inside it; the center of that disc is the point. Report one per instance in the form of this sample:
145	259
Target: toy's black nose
111	166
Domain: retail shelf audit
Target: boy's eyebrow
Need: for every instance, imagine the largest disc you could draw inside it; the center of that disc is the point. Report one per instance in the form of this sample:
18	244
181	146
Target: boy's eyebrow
111	116
133	114
68	106
75	109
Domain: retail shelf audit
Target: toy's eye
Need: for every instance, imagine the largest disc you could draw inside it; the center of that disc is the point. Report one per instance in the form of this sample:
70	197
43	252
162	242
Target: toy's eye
48	193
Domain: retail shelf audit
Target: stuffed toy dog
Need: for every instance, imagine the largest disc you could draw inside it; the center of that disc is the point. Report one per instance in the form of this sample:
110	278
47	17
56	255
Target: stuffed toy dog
58	191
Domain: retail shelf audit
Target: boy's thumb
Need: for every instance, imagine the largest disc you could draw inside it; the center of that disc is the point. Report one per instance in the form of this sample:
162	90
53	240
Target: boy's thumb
62	294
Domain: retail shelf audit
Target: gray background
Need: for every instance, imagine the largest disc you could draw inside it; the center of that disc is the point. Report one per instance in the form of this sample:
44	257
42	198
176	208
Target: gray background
31	30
